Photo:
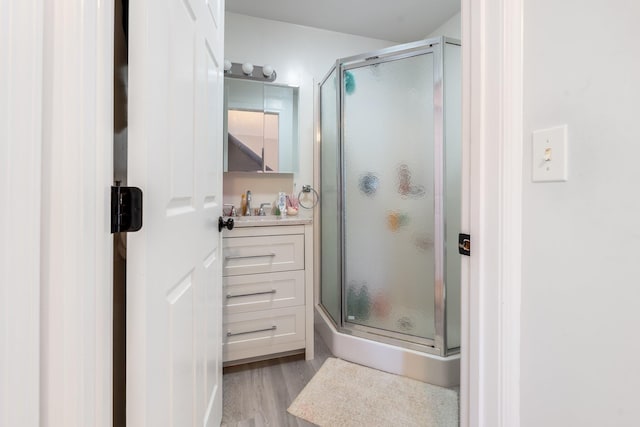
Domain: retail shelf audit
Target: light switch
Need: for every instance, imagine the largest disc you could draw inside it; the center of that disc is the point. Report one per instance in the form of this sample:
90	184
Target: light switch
550	154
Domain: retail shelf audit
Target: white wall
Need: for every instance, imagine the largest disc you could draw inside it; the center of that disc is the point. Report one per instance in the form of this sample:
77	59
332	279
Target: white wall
301	56
451	28
581	239
296	52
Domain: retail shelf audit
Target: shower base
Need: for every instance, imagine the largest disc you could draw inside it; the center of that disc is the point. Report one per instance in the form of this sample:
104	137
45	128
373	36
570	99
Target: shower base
429	368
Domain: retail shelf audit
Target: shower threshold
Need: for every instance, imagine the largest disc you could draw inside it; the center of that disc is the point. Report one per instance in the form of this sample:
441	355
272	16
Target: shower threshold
368	350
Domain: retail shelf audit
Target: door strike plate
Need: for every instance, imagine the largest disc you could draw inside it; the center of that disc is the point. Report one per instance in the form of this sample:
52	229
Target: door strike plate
126	209
464	244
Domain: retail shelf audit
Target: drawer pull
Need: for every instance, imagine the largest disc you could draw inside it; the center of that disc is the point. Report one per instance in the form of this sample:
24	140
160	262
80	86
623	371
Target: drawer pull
228	257
272	291
232	334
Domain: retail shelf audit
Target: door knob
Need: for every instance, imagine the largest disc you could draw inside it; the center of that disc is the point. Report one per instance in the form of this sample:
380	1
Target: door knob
222	224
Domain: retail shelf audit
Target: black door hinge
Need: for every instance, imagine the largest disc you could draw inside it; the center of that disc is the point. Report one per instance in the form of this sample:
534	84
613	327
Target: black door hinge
464	244
126	209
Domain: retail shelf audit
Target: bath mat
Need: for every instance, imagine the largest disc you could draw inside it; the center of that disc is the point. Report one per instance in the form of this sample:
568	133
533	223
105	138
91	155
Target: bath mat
345	394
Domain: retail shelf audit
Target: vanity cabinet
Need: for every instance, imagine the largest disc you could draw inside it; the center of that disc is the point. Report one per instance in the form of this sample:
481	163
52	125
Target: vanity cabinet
268	289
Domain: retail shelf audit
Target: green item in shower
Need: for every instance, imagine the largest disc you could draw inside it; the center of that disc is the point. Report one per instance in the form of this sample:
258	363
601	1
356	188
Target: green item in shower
358	302
349	82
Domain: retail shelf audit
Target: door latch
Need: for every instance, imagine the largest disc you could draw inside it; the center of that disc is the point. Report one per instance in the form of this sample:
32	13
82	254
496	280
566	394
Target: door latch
126	209
464	244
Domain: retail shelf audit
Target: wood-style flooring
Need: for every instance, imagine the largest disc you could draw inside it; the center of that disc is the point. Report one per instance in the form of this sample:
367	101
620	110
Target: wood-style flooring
258	394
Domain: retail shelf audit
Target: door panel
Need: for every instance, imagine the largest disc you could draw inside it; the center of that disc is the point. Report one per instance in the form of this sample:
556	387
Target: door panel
181	104
181	340
174	311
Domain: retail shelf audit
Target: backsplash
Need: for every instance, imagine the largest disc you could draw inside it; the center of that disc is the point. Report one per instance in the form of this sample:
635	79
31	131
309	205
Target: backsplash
264	186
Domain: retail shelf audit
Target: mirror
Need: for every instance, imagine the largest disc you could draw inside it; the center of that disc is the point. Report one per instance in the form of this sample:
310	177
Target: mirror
260	127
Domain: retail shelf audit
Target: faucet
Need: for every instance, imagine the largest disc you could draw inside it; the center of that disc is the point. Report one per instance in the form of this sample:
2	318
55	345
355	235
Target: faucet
232	211
261	211
249	213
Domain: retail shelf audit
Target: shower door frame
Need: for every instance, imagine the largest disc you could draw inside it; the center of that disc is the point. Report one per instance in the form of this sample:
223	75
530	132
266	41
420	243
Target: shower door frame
434	46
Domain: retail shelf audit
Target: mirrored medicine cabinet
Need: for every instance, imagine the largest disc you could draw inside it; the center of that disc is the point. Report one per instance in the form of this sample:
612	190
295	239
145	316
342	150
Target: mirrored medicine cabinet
260	127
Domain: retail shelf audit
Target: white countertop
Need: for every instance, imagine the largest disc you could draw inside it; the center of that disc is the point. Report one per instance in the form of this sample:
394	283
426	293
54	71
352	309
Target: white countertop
271	220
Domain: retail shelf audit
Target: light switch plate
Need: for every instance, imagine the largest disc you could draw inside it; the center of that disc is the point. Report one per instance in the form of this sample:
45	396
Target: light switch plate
549	160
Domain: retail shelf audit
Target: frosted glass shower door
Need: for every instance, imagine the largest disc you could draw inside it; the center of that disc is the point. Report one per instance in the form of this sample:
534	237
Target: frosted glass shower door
389	214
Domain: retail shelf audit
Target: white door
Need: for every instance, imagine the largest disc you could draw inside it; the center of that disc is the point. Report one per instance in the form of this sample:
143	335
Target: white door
174	309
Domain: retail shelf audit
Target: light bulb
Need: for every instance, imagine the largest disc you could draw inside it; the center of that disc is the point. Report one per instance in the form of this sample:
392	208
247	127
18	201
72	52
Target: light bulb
267	70
227	65
247	68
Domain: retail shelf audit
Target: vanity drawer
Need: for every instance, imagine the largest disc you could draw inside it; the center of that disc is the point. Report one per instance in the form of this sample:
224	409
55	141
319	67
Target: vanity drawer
263	291
263	254
263	332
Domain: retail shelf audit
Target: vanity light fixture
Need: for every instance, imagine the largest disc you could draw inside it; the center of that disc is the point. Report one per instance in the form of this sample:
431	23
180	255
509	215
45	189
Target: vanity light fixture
247	68
249	71
267	70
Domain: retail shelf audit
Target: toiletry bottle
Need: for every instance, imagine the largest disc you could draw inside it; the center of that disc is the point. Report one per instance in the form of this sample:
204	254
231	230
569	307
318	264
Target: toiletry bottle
282	203
276	209
249	204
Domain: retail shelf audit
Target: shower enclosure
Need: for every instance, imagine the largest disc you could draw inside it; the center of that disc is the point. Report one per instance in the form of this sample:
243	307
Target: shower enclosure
390	153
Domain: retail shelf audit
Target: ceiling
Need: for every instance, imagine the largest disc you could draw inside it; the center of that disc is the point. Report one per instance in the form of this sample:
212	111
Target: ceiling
398	20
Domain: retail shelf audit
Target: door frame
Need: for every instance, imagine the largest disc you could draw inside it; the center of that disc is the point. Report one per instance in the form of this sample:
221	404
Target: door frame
492	42
21	73
76	243
76	284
